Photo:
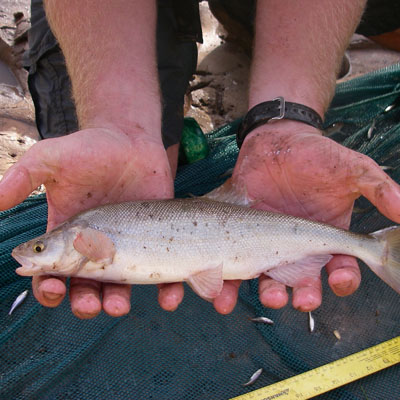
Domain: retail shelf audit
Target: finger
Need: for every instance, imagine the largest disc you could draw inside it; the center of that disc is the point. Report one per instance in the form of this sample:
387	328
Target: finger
84	295
272	294
22	178
344	275
308	295
380	190
116	299
170	295
226	301
49	291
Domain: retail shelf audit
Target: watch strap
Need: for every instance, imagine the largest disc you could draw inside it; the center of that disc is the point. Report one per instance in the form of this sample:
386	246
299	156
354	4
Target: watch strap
276	109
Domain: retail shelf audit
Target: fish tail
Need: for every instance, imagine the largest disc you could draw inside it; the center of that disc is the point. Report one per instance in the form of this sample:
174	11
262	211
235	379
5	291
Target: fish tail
387	267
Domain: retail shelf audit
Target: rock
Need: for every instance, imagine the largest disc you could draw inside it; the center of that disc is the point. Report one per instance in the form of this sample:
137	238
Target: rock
12	147
202	117
203	97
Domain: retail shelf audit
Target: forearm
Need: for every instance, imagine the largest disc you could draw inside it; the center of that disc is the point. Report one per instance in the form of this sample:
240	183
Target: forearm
298	49
110	52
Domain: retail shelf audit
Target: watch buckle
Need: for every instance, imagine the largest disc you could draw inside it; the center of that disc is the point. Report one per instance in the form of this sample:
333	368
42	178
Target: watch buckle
281	107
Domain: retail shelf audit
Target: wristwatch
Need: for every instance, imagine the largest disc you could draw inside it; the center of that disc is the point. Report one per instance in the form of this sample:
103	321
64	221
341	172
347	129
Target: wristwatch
276	109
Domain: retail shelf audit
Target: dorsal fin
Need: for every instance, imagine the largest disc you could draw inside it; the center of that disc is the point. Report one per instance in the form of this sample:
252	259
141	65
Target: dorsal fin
230	193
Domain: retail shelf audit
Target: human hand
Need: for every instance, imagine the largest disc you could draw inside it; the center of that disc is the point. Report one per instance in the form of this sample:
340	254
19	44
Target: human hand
80	171
290	168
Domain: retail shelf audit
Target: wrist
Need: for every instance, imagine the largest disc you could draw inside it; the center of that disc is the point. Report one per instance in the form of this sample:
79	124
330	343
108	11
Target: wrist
131	140
291	92
278	109
130	128
279	129
121	107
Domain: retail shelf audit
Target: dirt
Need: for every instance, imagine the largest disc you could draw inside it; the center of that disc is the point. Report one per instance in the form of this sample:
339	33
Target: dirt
217	94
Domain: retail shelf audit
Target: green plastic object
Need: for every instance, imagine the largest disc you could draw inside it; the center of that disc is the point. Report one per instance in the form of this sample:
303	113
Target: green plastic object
194	145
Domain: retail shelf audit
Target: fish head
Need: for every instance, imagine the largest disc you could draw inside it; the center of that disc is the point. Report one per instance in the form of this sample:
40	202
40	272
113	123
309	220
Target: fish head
51	253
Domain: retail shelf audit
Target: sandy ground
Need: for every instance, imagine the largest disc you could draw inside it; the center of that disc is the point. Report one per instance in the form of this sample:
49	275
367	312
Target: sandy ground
217	92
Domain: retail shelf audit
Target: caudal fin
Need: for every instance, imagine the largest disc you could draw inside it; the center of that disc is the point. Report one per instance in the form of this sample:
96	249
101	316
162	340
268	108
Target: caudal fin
389	267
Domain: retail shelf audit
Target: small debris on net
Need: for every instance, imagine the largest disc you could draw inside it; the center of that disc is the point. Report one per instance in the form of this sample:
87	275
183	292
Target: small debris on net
337	334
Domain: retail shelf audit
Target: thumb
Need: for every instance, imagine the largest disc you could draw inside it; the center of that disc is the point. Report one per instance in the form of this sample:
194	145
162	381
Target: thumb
380	190
23	178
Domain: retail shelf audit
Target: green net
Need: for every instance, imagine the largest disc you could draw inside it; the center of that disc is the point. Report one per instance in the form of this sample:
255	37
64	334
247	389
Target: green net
195	353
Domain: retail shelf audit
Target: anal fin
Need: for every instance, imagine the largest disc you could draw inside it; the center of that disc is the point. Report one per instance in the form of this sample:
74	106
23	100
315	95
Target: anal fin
207	283
292	273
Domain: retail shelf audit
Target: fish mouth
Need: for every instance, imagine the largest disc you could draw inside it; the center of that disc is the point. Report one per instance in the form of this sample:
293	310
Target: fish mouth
27	267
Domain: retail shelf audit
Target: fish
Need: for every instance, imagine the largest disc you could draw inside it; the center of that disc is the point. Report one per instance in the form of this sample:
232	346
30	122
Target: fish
201	242
18	301
311	322
254	377
371	129
263	320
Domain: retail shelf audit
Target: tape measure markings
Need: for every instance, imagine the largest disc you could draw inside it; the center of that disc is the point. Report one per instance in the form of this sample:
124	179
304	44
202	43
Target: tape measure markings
331	376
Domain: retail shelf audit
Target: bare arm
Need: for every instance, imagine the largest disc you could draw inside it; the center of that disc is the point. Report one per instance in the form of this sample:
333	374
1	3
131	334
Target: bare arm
110	51
299	47
118	154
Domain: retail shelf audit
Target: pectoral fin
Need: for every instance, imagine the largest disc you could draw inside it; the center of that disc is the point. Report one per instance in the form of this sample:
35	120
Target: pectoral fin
292	273
207	283
96	246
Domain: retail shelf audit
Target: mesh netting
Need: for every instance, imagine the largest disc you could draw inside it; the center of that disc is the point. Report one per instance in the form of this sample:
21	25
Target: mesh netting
195	353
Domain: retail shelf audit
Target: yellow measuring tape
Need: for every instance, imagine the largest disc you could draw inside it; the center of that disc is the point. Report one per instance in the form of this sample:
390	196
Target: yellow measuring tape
331	376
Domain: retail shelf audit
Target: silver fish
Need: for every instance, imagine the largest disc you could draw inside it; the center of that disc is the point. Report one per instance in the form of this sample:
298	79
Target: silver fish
201	242
371	128
386	167
389	107
18	301
264	320
254	377
311	322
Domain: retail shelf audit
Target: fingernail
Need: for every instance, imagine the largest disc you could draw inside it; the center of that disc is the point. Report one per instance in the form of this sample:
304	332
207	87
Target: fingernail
51	296
343	285
116	307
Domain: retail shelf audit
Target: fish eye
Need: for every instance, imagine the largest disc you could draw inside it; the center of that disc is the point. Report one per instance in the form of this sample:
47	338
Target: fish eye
38	247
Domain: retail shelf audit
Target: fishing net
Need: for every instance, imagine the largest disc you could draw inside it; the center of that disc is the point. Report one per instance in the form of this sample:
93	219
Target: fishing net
195	353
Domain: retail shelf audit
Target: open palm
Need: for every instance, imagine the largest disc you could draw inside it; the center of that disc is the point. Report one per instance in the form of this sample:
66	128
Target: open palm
83	170
294	170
